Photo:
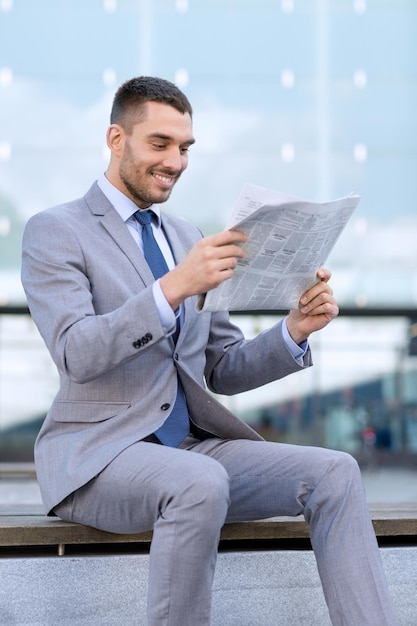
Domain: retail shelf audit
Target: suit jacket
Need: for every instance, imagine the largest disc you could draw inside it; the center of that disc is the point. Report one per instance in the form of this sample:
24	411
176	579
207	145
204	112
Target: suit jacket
89	290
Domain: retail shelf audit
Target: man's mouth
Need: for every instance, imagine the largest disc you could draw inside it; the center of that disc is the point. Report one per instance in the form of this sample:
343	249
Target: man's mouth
167	181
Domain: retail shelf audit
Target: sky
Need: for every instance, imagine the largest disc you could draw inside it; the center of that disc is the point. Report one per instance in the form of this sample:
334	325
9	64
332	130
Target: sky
315	99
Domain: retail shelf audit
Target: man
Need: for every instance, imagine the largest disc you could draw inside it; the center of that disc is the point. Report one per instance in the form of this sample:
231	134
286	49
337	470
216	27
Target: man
133	441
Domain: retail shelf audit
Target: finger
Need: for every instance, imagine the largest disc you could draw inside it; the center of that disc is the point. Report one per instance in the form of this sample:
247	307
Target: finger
324	274
315	304
227	237
240	236
230	251
329	310
219	247
319	288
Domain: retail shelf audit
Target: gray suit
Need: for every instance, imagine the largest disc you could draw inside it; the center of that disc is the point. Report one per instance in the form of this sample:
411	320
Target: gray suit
90	293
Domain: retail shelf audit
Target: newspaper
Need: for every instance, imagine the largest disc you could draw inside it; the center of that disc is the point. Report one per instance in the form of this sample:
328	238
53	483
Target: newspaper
289	240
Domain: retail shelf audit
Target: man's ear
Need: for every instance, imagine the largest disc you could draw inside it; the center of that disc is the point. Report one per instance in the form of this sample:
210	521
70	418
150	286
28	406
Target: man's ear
115	138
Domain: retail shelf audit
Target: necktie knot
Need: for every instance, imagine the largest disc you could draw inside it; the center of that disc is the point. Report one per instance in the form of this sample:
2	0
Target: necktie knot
151	250
143	217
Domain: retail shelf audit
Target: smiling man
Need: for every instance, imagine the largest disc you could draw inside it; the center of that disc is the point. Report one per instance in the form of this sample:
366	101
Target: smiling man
148	157
134	441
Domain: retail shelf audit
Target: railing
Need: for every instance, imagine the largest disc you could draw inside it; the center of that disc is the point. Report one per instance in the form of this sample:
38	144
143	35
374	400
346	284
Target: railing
360	396
345	311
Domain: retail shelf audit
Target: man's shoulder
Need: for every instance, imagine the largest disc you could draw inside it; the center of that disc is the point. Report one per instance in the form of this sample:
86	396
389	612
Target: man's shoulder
93	197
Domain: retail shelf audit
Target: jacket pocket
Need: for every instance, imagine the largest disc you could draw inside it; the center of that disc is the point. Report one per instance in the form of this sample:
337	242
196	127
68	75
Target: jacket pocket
77	411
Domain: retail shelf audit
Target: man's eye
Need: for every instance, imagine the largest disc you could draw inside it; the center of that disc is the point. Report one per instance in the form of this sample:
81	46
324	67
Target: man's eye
159	146
184	150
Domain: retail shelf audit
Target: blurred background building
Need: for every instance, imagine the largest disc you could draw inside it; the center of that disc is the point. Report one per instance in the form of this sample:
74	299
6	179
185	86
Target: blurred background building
315	98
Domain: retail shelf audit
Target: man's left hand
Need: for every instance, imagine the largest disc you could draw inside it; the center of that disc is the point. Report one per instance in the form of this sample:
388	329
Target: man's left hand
316	309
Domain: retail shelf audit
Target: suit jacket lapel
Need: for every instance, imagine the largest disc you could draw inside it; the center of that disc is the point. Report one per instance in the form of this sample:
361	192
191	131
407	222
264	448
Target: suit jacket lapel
174	238
116	228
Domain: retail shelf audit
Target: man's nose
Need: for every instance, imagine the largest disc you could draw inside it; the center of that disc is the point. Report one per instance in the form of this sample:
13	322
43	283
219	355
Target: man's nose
175	160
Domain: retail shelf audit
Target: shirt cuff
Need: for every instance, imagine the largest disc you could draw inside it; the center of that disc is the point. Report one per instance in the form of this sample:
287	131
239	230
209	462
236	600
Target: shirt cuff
297	350
167	316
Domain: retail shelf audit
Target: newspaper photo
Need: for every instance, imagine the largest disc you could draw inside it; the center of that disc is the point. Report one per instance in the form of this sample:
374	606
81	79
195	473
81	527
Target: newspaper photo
289	240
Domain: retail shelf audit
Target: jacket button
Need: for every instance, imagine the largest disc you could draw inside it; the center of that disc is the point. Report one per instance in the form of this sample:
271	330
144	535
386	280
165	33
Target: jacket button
176	356
148	336
137	344
165	406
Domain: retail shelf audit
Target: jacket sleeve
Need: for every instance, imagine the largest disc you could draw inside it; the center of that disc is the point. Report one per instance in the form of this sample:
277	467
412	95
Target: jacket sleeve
67	300
235	364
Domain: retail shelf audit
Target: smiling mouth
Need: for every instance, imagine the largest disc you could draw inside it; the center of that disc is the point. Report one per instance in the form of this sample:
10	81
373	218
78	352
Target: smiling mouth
165	180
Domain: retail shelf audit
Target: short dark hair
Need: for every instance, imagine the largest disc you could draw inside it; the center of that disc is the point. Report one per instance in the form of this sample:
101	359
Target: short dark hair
134	93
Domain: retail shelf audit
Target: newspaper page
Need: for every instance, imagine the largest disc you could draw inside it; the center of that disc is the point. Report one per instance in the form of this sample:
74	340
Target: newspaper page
289	240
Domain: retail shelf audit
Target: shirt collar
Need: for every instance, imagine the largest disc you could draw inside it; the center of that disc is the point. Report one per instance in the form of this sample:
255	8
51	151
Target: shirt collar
124	206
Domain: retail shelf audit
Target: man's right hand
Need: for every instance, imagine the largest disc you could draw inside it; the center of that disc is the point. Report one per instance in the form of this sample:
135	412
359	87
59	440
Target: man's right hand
210	262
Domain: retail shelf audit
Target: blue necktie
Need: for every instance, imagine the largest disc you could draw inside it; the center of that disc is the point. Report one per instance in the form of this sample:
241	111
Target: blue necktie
177	425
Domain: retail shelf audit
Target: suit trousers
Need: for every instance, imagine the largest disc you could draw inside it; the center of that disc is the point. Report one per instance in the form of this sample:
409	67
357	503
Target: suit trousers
186	494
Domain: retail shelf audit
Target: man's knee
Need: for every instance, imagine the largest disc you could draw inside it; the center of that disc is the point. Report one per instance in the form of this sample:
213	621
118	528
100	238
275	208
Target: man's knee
342	476
346	465
207	485
200	498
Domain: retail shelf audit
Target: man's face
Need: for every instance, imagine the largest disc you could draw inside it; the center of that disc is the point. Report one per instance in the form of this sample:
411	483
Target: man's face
155	154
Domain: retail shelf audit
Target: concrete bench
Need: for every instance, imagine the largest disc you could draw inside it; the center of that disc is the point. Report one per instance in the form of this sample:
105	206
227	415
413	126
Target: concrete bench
58	572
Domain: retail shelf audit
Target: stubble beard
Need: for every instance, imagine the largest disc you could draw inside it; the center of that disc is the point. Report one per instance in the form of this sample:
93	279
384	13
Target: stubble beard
137	189
140	195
